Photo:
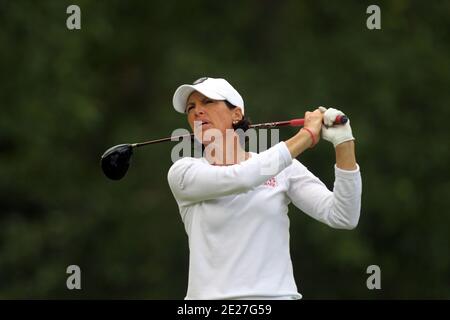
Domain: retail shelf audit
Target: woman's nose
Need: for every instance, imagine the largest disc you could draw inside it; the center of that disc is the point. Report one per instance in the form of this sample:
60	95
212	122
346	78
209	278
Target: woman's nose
199	111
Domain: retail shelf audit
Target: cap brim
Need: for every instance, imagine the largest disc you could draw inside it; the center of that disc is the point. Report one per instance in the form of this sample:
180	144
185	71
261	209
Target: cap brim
184	91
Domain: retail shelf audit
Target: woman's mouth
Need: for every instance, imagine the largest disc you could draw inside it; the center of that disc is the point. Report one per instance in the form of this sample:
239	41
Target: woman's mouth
203	124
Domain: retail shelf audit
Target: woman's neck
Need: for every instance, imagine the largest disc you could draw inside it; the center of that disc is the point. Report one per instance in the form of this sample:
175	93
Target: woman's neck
226	152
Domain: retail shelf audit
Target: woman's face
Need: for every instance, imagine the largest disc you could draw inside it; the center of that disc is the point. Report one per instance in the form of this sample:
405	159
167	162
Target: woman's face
208	113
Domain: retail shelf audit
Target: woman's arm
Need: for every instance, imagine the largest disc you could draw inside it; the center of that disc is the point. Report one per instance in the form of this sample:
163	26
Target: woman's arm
339	208
308	136
192	180
345	156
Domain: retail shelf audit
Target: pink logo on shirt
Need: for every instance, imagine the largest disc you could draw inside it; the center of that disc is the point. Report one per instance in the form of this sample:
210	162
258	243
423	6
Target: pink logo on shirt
272	182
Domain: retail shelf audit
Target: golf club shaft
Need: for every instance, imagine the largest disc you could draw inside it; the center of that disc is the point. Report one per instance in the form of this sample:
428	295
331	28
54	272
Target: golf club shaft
288	123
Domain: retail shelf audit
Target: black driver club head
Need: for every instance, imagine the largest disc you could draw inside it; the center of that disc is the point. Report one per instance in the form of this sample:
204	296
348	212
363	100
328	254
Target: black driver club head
116	160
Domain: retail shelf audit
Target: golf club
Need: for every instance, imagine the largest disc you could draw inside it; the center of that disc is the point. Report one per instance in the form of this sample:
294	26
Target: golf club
116	160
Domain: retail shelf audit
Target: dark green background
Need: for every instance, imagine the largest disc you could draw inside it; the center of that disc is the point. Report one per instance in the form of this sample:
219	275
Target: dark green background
66	96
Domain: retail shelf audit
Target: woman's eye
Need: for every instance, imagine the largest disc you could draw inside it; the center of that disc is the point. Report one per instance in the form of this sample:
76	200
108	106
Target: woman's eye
208	101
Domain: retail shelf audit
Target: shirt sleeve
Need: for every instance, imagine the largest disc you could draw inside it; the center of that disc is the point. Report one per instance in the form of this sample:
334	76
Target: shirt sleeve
193	180
339	208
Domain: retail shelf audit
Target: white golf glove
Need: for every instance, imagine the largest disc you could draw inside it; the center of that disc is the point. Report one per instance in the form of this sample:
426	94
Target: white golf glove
338	133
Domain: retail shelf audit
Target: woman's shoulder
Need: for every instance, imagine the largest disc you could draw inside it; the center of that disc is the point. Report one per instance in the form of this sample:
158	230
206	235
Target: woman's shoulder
186	161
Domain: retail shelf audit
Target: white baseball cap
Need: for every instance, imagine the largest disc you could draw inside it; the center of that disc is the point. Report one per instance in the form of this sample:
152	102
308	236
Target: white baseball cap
213	88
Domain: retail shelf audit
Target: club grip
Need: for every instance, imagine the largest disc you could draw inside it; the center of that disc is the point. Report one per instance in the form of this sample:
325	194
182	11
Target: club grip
341	119
297	122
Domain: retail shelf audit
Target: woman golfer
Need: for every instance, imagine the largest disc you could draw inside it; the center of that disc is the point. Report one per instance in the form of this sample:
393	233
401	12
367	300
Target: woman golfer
234	204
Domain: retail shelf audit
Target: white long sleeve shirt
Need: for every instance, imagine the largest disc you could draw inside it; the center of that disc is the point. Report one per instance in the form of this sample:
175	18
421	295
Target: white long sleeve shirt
237	221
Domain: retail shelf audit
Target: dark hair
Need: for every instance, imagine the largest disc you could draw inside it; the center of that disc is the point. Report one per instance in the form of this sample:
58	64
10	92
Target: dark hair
243	124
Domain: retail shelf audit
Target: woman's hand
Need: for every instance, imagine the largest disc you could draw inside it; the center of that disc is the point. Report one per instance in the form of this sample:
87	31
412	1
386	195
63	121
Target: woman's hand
335	134
341	137
308	136
313	125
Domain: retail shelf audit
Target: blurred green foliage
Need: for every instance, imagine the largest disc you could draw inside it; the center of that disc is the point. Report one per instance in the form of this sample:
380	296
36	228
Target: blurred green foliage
66	96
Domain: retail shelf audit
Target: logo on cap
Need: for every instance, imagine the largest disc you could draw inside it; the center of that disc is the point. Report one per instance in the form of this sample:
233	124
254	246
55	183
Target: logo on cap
200	80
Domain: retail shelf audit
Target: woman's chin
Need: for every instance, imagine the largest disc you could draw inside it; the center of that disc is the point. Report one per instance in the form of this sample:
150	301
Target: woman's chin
207	134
